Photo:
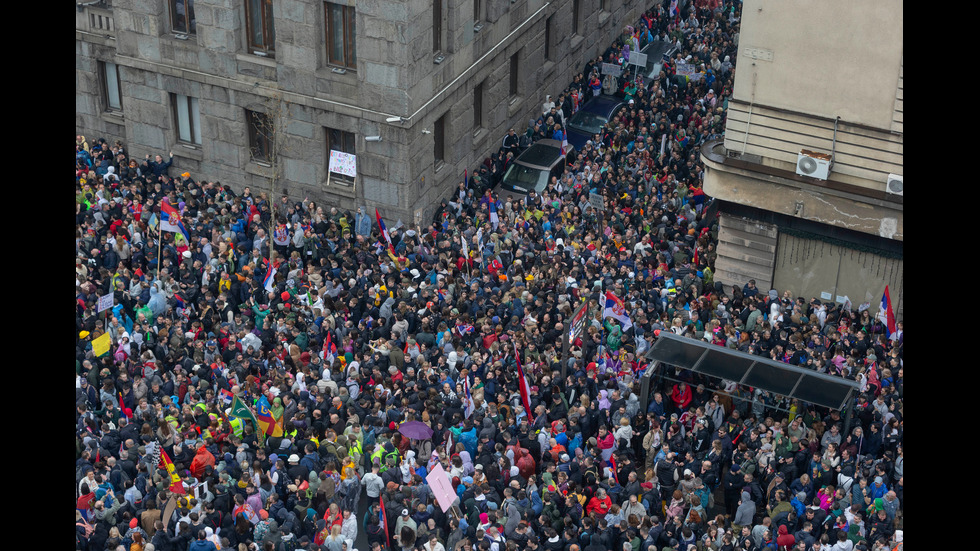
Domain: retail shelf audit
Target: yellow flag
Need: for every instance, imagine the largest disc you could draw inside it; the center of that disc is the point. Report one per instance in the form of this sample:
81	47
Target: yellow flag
101	345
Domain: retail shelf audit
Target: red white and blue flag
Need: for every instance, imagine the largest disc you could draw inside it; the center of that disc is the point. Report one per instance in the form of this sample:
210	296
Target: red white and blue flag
384	231
525	390
886	314
615	309
673	8
170	221
226	397
468	400
270	277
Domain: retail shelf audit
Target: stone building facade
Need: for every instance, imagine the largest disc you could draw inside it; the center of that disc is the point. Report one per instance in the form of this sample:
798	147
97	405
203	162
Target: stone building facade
829	80
418	90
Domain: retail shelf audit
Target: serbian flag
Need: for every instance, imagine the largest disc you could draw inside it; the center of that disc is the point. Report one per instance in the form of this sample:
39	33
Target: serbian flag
525	391
466	180
226	397
270	276
613	467
673	8
615	309
384	231
329	349
176	484
384	519
494	219
170	221
468	404
885	313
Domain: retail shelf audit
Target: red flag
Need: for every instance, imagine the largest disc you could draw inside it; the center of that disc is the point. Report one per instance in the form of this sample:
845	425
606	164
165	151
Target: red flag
128	412
384	519
612	464
525	391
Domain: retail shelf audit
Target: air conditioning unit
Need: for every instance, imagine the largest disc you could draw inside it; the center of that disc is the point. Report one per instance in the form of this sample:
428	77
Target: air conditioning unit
895	185
814	164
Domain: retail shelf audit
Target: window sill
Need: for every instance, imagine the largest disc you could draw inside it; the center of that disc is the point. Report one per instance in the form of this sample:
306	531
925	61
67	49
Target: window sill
259	168
479	135
258	59
547	68
577	41
439	165
117	117
604	17
346	189
516	104
190	151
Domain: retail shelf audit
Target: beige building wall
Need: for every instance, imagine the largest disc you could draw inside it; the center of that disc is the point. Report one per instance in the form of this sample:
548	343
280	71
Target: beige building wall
801	65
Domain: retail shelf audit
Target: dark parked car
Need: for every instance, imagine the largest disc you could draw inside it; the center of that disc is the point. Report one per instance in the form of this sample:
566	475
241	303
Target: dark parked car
590	119
534	167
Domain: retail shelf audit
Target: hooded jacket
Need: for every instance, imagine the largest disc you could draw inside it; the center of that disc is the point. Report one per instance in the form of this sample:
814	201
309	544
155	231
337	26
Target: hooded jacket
745	512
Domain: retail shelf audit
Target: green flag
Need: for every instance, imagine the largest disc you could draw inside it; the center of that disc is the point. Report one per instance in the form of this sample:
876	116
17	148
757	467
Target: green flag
242	411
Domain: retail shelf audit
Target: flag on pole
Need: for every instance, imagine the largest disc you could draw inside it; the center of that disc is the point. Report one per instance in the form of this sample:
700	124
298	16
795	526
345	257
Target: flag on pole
494	219
673	8
525	390
176	484
154	222
384	231
270	277
468	401
613	468
243	412
616	309
466	179
280	235
885	313
170	221
128	412
384	519
329	349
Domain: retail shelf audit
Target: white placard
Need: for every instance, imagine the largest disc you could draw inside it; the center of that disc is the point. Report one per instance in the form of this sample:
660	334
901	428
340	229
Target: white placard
826	296
105	303
343	163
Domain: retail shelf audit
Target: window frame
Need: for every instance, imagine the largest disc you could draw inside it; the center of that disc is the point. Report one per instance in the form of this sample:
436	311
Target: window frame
439	139
105	85
515	69
188	4
267	21
192	110
549	48
437	7
347	139
576	16
259	143
349	25
478	96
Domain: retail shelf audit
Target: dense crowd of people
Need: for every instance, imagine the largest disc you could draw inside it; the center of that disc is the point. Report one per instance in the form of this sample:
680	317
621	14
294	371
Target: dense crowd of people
304	312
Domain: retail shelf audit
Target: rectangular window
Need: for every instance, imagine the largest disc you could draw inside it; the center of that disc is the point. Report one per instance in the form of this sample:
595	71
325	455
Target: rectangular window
439	152
261	27
549	49
338	140
340	35
477	11
514	76
182	17
188	118
604	5
478	106
111	87
576	12
259	136
436	26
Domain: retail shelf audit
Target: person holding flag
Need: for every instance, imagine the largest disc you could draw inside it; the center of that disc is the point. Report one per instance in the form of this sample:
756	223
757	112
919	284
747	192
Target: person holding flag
523	386
886	315
170	220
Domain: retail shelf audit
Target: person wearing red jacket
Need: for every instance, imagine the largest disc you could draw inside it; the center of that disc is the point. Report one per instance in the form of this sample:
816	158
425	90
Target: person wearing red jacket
600	503
785	540
681	396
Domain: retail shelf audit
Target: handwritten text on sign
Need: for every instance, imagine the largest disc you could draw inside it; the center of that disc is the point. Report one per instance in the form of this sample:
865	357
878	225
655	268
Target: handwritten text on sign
343	163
